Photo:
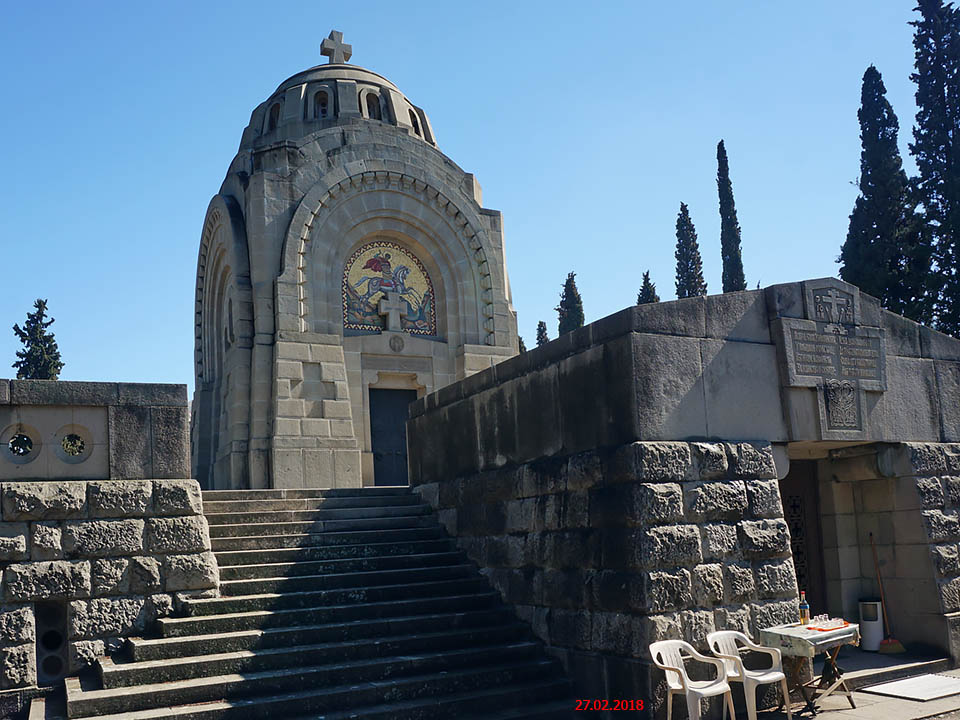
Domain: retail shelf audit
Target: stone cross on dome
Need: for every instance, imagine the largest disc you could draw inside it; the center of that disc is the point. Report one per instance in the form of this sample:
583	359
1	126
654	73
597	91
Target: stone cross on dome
335	48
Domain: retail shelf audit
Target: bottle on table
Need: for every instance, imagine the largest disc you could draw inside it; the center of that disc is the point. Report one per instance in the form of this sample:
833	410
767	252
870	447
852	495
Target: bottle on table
804	608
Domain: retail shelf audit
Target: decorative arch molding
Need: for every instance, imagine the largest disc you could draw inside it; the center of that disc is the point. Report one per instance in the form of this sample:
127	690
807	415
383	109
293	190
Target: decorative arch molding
464	223
223	245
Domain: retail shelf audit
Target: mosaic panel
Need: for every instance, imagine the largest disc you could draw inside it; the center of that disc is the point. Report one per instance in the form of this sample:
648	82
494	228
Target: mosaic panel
380	267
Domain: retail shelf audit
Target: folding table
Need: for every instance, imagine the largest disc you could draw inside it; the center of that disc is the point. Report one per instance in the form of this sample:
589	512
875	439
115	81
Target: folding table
797	643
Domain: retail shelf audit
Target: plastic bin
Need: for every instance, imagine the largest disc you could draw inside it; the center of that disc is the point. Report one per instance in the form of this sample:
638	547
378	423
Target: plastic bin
871	624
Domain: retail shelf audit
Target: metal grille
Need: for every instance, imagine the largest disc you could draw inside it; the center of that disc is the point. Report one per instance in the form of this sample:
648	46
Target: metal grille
796	518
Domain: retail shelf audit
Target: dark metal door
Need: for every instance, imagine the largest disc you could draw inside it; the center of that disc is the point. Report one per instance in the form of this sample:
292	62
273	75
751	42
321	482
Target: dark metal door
800	492
388	434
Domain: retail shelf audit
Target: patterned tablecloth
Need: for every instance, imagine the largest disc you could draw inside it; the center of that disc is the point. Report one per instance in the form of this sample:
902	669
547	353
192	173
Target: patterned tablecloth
799	641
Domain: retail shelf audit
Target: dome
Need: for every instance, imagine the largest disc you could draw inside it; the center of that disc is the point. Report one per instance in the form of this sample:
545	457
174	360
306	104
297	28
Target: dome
331	95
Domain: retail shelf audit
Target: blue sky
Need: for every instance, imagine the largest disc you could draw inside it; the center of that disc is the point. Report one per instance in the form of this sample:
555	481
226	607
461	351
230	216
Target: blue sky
586	124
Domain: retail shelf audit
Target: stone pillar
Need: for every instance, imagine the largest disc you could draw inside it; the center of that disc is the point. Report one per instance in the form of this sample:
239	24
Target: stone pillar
314	443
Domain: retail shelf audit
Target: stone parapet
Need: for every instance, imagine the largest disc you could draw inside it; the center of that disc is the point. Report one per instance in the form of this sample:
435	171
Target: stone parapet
608	550
111	555
91	430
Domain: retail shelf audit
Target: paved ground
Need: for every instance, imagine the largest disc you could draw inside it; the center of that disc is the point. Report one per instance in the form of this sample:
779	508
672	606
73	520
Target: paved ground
878	707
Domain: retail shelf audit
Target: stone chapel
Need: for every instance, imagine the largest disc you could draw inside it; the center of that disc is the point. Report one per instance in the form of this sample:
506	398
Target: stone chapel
346	267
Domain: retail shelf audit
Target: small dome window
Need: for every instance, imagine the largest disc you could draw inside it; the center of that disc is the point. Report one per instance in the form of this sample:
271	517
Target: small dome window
373	106
416	123
274	118
321	105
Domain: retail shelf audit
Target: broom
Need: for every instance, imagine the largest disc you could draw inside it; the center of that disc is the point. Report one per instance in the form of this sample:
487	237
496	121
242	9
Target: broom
890	645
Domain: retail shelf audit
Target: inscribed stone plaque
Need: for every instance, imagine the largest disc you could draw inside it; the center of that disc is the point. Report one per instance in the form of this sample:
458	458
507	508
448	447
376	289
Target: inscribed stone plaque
832	352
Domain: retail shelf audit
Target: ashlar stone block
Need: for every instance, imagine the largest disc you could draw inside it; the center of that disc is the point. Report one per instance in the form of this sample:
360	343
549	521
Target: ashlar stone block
651	462
763	538
177	497
775	579
732	617
144	575
941	526
43	500
667	590
177	534
658	503
84	653
191	572
670	546
930	492
654	628
719	541
778	612
952	486
13	541
707	585
945	559
119	498
710	459
109	576
16	625
697	624
46	541
103	538
17	667
722	500
763	497
754	461
42	580
107	617
738	583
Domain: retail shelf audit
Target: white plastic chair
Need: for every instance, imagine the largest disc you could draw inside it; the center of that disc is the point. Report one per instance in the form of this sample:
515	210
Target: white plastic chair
726	645
668	655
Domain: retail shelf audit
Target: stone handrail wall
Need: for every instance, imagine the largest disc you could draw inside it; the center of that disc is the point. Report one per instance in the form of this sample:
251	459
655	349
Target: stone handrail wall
98	519
606	551
115	553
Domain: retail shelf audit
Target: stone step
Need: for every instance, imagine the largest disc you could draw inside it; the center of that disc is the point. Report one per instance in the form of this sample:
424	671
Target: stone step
227	558
348	565
316	583
357	537
119	674
533	693
142	650
322	526
317	598
317	503
299	493
261	516
274	618
480	667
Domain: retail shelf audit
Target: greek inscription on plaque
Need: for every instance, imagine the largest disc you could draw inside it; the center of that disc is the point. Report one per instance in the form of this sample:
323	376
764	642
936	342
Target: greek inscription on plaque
836	353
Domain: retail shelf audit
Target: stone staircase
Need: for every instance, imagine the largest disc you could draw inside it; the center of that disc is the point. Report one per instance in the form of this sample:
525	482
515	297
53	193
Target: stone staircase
334	604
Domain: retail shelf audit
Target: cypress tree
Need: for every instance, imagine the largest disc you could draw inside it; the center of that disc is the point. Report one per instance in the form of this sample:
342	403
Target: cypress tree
936	148
40	358
690	282
570	309
883	253
648	291
521	345
542	338
733	279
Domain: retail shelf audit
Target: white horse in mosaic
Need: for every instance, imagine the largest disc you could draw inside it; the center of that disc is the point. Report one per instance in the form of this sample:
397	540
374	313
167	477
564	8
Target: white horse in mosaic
397	284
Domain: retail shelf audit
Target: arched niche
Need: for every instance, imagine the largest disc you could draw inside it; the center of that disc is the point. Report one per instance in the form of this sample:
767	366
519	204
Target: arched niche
337	216
386	268
223	342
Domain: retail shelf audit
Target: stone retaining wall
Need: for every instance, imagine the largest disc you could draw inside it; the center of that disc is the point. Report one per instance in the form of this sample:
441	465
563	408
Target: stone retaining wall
116	553
606	551
98	521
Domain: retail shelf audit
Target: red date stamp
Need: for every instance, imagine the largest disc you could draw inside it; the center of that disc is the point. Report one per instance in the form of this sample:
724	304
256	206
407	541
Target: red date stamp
596	704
